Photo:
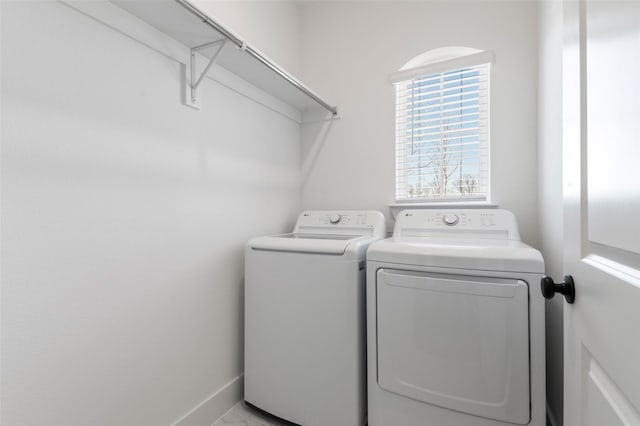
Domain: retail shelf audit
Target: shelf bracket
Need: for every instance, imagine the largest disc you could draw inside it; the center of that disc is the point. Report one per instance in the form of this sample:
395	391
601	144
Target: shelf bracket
191	90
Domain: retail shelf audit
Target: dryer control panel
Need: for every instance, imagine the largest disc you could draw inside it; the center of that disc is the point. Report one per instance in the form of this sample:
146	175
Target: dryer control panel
465	223
351	222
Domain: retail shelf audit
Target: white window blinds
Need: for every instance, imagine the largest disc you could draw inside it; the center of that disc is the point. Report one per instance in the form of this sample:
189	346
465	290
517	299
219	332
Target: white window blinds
442	136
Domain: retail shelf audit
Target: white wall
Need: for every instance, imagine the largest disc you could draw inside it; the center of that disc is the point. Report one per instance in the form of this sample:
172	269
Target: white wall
124	216
550	189
351	48
270	26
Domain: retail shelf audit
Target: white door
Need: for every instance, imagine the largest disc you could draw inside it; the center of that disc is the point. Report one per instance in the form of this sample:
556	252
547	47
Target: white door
601	107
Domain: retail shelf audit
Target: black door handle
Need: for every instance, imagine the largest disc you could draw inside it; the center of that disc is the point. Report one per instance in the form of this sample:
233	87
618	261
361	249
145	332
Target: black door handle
567	287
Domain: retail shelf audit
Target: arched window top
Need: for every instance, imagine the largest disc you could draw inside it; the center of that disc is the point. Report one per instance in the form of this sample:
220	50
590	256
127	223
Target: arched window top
442	59
439	55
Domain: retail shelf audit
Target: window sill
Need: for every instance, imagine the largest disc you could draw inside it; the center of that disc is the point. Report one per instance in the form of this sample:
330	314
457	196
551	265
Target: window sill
398	207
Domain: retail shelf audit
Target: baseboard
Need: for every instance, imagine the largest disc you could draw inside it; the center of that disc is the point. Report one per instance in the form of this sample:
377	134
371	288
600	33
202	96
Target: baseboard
214	407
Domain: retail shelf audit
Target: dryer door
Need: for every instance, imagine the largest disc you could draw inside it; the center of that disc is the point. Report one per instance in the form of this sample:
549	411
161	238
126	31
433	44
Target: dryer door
454	341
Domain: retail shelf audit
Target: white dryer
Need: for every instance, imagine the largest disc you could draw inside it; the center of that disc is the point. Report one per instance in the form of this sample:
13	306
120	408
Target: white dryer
455	322
305	324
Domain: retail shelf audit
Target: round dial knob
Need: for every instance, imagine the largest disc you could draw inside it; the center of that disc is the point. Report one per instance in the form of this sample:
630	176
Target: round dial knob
450	219
335	219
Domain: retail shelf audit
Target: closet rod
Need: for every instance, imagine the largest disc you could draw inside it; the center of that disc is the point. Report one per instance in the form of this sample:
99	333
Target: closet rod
242	45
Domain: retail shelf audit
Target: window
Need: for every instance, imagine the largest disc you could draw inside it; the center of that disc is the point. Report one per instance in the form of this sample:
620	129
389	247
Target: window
442	129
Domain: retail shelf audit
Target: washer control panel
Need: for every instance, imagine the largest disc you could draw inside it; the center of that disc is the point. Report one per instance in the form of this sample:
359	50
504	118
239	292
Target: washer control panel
353	222
492	223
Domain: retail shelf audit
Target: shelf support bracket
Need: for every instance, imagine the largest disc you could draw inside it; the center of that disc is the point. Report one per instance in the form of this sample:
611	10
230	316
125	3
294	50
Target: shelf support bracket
191	92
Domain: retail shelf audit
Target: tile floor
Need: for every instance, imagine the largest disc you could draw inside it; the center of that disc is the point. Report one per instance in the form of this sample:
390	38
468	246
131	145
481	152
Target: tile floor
242	415
247	416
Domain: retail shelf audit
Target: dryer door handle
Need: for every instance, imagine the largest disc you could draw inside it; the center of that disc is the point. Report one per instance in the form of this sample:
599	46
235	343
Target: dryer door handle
566	287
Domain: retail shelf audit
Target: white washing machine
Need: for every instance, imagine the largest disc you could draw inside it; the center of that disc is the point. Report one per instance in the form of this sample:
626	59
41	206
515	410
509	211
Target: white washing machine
305	324
455	322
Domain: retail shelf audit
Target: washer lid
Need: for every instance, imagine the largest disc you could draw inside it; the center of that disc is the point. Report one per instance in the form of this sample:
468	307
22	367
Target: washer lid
477	254
307	243
327	232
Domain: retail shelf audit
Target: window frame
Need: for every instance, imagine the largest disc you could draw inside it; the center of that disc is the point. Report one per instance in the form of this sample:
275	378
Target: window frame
446	63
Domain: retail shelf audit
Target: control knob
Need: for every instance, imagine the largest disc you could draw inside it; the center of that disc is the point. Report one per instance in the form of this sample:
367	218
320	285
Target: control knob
335	219
450	219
